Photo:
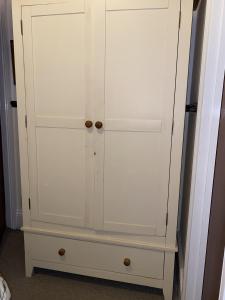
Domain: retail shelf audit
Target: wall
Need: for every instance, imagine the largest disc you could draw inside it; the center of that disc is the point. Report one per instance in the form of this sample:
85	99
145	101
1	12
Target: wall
9	122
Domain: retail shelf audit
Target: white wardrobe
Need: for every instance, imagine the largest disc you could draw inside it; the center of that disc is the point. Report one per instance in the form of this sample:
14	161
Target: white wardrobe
101	87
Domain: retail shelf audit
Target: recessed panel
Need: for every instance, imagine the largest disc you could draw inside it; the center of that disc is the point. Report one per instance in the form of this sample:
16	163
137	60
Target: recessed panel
59	65
136	61
135	188
61	170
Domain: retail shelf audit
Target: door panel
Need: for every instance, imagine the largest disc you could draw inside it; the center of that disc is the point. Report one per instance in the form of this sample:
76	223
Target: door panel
54	58
140	71
56	76
129	186
61	173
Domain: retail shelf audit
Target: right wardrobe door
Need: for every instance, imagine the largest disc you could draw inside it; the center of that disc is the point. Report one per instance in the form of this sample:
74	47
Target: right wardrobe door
141	39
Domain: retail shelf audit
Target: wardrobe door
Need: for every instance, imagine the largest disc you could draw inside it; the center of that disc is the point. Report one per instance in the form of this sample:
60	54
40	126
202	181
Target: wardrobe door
56	81
141	38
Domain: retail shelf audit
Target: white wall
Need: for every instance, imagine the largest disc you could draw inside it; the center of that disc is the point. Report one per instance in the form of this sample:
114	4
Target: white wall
9	122
222	289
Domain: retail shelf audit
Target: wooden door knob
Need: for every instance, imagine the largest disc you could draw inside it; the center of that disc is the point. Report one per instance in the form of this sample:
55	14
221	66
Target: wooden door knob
127	262
61	252
88	124
98	125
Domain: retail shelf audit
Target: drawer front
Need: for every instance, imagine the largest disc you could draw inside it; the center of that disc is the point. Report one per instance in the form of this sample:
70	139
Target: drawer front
99	256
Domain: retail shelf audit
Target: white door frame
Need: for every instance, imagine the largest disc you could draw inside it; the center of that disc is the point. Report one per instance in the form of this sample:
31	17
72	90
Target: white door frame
222	287
211	86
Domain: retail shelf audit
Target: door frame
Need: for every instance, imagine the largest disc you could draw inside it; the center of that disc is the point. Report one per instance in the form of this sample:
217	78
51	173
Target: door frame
208	116
222	287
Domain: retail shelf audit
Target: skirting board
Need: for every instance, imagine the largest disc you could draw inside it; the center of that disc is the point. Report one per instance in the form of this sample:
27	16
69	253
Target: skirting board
180	264
222	288
19	218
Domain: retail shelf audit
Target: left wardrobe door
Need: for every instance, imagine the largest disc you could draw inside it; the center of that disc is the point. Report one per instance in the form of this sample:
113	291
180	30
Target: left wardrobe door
55	38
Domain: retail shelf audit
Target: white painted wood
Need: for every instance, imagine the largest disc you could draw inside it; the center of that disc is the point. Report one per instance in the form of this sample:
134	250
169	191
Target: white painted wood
222	286
211	86
134	139
179	115
20	90
65	7
100	274
91	234
97	91
168	276
41	2
101	238
195	44
54	45
61	198
28	262
103	257
132	125
59	122
136	4
138	117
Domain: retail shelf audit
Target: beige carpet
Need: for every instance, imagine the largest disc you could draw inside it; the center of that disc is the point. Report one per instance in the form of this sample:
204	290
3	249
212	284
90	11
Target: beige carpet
48	285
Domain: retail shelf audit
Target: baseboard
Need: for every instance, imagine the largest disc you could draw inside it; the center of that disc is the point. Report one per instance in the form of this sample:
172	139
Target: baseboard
19	218
180	264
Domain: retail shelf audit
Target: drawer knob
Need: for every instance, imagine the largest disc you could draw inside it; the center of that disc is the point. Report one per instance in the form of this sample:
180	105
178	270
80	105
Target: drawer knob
61	252
88	124
127	262
98	125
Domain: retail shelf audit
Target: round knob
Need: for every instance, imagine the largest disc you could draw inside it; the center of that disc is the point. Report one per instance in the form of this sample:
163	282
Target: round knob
61	252
88	124
127	262
98	125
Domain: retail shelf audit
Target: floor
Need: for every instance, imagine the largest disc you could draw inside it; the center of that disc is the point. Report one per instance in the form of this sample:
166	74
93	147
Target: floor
48	285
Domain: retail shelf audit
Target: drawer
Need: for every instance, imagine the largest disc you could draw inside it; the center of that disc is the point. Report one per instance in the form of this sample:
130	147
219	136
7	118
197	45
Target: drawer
84	254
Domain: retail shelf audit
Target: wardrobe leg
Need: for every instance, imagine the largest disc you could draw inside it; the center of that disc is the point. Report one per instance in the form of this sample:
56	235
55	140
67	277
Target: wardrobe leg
29	270
28	262
28	265
168	276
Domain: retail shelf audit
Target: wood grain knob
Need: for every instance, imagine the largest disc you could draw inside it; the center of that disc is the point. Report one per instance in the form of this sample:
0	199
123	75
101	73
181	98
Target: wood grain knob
88	124
127	262
61	252
98	125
